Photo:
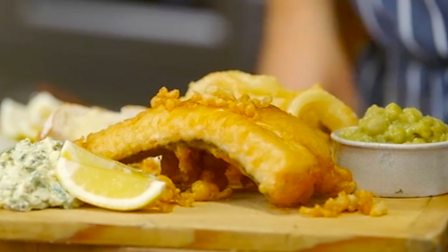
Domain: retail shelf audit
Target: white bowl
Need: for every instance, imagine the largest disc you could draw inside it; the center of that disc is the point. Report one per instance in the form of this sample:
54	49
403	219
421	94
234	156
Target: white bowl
395	170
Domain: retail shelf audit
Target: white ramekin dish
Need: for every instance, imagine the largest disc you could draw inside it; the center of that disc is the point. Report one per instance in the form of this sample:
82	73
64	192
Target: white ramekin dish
395	170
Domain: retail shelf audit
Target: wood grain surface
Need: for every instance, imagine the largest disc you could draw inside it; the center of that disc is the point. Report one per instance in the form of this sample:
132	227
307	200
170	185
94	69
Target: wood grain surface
245	222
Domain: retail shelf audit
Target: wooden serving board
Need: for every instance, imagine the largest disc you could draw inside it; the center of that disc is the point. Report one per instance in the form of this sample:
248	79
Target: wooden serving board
245	222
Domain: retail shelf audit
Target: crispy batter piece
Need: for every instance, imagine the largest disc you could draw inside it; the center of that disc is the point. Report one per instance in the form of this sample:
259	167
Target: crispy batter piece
361	201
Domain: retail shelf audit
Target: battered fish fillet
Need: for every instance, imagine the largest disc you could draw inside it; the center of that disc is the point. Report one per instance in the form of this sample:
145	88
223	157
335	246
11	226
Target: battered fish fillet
286	158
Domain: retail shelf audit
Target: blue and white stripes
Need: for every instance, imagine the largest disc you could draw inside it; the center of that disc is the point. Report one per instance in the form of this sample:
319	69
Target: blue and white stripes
408	60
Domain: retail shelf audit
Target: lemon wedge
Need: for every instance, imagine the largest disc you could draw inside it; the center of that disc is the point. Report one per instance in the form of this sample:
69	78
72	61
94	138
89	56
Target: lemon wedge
103	182
318	107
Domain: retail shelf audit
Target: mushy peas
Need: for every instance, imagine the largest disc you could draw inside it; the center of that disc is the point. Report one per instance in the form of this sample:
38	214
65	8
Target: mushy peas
392	124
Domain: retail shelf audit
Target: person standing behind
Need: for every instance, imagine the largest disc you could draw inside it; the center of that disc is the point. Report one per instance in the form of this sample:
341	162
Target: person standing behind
406	61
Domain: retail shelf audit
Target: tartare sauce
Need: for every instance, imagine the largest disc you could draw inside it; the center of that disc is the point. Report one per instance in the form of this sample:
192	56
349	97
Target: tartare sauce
28	177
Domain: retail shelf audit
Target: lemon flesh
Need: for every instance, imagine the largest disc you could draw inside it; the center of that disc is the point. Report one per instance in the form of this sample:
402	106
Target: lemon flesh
103	182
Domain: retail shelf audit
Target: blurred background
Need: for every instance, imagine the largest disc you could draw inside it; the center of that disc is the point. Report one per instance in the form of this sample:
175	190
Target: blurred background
112	53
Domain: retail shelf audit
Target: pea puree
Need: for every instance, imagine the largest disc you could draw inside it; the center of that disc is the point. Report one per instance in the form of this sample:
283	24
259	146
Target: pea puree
392	124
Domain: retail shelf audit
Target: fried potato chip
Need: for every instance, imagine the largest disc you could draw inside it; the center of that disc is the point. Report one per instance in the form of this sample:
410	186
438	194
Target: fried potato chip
20	121
237	84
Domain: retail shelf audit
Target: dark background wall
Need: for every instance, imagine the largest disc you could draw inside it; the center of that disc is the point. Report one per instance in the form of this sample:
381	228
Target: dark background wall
112	53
